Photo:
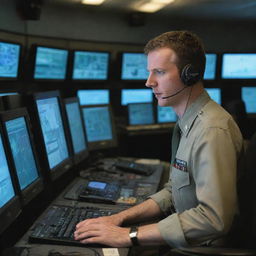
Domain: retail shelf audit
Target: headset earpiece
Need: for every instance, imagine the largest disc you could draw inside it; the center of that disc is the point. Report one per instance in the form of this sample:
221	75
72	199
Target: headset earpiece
189	75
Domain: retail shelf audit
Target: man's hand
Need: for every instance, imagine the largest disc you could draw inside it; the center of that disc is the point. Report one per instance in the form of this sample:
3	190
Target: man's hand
103	230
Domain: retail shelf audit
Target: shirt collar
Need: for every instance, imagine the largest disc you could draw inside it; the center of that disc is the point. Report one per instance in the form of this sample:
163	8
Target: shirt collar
187	120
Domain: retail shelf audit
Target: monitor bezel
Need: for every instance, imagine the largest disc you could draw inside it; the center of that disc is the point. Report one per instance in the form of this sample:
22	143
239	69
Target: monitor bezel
104	144
72	60
34	48
59	170
12	209
19	61
235	80
120	61
35	188
142	103
82	155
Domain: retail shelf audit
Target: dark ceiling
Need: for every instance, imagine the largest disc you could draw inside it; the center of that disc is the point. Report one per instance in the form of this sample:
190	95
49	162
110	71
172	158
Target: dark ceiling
200	9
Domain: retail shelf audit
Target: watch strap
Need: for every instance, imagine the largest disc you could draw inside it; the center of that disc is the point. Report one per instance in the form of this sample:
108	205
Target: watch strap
134	236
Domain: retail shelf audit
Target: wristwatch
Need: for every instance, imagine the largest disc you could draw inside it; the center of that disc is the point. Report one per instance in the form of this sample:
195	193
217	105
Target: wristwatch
134	236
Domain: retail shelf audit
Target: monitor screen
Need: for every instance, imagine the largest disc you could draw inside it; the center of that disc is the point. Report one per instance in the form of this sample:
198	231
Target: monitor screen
89	65
140	113
9	60
22	153
249	98
239	66
53	130
99	126
215	94
76	126
6	185
93	97
10	206
8	93
50	63
166	115
210	67
134	66
136	96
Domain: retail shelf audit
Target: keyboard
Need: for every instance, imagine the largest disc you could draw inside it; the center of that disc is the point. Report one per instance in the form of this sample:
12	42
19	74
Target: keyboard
58	224
130	166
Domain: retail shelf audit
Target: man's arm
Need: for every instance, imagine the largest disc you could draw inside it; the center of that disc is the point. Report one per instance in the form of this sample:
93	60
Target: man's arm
106	230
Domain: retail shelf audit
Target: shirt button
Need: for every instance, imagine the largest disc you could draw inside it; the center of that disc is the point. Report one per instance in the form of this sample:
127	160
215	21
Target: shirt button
201	112
186	127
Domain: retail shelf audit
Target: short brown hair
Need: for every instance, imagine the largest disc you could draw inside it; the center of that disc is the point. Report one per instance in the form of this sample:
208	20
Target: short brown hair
187	46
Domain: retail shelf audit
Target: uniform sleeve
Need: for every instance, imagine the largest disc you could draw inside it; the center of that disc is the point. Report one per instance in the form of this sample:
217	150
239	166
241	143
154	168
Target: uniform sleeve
214	171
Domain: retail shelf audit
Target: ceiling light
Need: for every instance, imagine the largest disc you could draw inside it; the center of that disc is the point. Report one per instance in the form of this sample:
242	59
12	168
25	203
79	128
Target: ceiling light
92	2
151	5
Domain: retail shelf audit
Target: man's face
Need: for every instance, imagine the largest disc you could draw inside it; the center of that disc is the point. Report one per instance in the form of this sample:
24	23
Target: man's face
164	76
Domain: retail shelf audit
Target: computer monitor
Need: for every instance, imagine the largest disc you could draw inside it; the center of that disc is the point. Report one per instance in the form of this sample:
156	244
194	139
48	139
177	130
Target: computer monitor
8	93
77	129
140	114
166	115
93	96
136	96
210	66
134	66
10	205
238	66
16	125
9	60
99	125
53	133
90	65
215	94
249	98
50	63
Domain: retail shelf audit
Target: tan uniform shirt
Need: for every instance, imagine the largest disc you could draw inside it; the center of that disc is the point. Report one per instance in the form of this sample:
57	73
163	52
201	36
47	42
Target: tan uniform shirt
203	177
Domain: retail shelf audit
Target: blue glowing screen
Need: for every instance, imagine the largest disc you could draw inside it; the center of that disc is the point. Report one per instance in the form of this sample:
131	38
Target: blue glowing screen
140	113
239	66
166	115
6	186
134	66
249	98
22	151
215	94
9	60
136	96
51	63
93	97
53	130
76	127
210	67
97	123
90	65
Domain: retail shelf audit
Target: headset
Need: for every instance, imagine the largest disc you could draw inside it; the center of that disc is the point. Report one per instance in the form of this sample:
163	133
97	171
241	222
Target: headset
190	75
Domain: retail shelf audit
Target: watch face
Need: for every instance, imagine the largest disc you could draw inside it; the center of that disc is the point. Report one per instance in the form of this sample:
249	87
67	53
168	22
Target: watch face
133	234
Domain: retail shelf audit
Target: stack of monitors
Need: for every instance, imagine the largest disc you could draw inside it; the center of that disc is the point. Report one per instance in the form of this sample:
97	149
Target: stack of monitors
238	66
129	96
249	98
93	96
9	60
16	125
77	129
215	94
90	65
210	66
10	206
52	133
166	115
50	63
100	127
134	66
140	114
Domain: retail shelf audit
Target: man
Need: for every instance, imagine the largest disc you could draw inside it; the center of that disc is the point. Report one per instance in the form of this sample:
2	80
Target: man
198	204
